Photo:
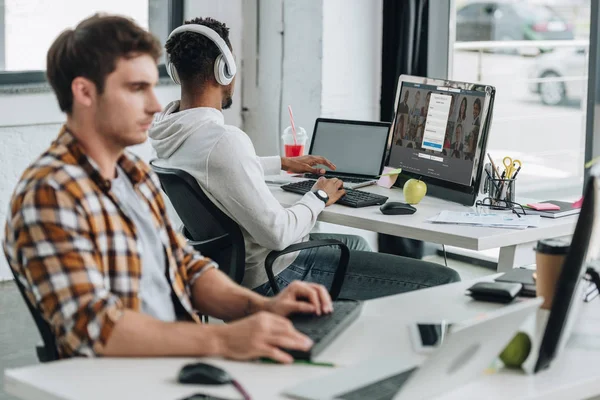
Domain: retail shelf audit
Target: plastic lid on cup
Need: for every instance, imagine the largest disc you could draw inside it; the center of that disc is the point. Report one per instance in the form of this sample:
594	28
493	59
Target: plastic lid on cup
553	246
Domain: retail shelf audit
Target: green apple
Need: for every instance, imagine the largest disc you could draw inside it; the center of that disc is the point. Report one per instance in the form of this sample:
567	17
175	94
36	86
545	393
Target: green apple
515	354
414	190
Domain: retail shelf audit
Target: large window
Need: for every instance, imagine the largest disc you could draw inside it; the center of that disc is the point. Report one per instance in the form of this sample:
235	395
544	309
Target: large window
28	28
536	54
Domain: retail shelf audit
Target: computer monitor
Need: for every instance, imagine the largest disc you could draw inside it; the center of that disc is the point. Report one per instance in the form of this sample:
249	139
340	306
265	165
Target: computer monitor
439	134
357	148
570	287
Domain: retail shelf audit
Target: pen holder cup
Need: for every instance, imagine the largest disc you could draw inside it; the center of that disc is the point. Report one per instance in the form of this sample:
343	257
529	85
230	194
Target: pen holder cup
501	191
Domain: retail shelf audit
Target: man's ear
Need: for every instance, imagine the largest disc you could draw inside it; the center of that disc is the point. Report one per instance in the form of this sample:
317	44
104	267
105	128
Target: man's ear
84	91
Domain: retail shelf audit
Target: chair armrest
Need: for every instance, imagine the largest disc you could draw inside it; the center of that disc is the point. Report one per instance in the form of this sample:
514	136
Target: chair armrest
340	272
210	245
214	243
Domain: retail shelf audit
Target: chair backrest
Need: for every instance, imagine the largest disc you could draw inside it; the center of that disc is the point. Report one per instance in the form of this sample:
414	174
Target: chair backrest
209	229
48	352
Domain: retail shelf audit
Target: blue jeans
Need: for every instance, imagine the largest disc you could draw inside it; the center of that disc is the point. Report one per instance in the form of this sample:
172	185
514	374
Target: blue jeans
370	275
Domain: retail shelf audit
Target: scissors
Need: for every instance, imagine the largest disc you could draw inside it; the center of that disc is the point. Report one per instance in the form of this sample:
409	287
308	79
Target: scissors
510	166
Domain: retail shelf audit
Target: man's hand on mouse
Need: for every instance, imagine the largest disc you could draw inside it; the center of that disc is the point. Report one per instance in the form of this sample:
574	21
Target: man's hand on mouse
300	297
334	188
263	334
306	164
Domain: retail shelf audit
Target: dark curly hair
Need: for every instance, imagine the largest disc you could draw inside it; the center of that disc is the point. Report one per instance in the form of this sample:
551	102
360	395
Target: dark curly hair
194	55
91	50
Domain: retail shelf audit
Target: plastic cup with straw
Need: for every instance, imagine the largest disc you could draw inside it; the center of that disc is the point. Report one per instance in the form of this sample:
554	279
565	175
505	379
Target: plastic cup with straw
293	143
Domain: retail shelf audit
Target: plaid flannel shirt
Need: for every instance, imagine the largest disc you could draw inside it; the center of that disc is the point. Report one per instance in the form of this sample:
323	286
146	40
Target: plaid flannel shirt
77	254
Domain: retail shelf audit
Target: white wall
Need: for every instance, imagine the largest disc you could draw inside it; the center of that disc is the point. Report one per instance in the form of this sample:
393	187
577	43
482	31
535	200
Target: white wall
351	59
261	89
321	56
302	81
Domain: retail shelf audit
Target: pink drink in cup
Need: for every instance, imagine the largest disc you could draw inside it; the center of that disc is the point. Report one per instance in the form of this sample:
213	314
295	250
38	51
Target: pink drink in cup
293	150
293	146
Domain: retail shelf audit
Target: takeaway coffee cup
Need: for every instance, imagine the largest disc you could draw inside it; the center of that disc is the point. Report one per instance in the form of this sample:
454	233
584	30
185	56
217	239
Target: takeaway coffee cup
549	258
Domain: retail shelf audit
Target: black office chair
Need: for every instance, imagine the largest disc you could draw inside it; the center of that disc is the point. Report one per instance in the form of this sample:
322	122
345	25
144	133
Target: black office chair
48	351
214	234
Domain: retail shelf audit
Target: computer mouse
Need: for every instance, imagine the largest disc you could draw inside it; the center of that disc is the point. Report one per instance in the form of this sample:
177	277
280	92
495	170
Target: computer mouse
397	208
203	374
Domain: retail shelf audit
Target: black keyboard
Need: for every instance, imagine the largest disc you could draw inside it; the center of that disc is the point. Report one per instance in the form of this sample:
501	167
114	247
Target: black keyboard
323	329
343	178
352	198
384	389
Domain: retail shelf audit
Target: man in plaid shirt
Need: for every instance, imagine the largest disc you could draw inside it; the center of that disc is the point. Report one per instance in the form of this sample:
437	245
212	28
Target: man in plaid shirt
89	237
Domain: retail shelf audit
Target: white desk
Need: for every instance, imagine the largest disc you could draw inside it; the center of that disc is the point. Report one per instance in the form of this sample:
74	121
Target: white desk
575	375
515	245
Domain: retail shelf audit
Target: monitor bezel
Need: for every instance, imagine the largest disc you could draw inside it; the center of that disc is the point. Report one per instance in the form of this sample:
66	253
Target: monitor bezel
354	122
448	190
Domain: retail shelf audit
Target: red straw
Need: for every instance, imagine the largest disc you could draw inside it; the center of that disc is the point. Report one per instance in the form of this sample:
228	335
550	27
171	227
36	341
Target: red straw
293	125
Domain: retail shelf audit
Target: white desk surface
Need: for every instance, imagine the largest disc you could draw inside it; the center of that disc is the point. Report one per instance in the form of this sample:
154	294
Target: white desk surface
575	375
415	226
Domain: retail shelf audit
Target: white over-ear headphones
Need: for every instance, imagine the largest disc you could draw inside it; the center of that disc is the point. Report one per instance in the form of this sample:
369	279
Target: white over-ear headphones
225	68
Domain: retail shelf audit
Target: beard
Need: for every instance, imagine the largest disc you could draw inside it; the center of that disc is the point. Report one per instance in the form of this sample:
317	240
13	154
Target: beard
227	102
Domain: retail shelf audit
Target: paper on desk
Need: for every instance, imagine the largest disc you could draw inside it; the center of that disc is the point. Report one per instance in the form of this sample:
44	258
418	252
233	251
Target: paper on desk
388	177
499	220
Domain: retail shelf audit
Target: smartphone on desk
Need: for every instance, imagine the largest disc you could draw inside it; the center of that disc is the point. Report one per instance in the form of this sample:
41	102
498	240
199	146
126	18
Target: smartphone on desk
427	336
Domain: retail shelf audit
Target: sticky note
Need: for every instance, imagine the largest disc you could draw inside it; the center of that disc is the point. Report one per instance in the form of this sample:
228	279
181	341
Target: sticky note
543	206
388	171
388	177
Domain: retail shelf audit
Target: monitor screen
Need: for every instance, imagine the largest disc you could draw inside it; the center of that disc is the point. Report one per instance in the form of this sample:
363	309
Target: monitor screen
354	147
570	286
437	132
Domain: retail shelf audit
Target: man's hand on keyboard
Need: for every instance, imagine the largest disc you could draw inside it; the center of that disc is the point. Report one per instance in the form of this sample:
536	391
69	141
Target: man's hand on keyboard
262	334
301	297
334	188
305	164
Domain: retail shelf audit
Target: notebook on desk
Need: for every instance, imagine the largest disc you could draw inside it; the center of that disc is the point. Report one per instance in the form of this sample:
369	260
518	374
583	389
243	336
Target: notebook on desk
565	208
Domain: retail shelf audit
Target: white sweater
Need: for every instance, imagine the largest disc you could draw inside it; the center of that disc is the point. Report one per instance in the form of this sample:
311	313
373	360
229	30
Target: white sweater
223	160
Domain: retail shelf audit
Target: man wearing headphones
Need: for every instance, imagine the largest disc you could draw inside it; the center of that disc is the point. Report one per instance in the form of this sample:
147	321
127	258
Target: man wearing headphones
88	235
191	135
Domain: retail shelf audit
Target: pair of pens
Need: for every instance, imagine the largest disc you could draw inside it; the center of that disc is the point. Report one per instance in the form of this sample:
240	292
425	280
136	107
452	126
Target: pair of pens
305	362
516	172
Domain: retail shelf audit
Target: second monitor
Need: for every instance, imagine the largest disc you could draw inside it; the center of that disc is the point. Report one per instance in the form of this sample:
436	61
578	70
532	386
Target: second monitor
439	134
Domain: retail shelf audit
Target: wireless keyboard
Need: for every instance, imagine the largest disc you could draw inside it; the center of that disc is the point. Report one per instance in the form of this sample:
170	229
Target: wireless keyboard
324	328
352	198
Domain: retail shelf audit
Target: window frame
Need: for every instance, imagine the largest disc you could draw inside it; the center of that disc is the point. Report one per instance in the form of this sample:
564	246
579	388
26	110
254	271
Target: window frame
175	19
